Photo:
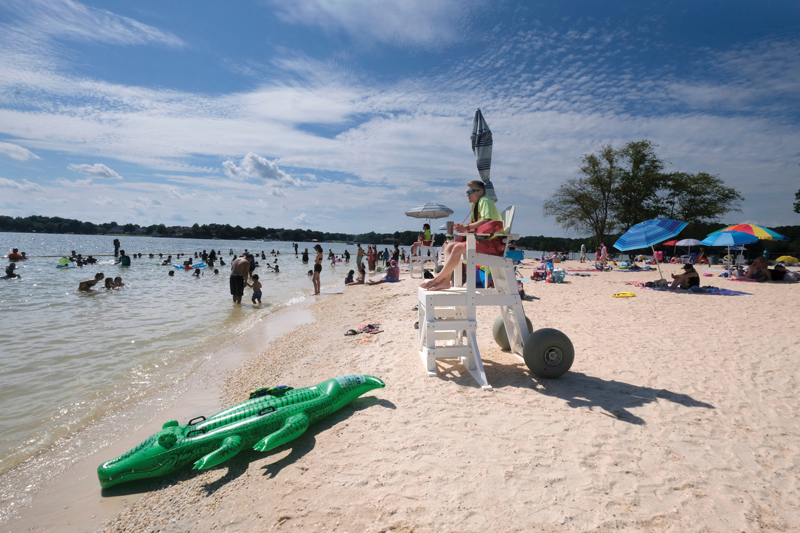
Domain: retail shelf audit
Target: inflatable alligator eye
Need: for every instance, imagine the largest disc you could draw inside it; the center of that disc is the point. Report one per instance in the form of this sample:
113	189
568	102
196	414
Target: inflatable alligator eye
167	440
170	424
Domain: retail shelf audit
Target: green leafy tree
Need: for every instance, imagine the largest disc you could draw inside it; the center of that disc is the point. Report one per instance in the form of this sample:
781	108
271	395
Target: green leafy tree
584	204
797	203
698	198
636	197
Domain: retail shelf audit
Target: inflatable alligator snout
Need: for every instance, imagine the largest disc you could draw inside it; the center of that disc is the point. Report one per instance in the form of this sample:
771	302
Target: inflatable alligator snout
270	418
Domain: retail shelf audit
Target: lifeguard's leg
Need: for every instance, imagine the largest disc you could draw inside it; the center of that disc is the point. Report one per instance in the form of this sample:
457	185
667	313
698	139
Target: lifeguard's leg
442	279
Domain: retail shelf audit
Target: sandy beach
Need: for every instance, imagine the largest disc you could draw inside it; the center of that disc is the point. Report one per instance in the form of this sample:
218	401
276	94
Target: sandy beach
679	414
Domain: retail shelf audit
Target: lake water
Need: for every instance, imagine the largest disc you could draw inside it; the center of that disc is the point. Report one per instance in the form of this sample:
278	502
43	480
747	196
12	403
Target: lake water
68	358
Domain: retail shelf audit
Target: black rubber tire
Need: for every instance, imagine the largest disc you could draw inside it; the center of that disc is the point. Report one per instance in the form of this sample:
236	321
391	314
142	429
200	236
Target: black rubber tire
548	353
501	336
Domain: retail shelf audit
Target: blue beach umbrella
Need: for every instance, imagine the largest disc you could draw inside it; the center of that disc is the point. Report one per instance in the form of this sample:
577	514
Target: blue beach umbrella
482	148
649	233
728	239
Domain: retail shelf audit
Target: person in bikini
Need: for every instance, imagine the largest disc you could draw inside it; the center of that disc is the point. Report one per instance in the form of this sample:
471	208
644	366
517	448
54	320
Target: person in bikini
317	268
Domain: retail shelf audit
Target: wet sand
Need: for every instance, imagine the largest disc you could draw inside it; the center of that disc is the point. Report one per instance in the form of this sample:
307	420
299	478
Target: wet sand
73	501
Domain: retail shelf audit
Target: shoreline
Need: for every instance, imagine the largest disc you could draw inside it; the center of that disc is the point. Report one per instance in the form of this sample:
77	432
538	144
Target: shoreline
198	391
671	419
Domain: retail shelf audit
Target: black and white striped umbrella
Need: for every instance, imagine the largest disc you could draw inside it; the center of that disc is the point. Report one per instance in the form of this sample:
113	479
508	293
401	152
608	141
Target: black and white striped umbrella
482	148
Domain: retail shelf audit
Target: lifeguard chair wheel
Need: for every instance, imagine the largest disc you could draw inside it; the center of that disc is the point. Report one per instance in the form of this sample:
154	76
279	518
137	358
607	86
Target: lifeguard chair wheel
501	335
548	353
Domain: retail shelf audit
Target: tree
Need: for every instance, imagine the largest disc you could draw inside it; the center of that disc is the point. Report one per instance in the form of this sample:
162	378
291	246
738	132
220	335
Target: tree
698	198
636	197
584	204
797	203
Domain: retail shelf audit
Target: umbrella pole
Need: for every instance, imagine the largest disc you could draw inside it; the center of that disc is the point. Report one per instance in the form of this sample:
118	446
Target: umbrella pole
658	264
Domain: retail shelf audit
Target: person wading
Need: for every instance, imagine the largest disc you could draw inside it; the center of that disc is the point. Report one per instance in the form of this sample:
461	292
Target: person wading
240	269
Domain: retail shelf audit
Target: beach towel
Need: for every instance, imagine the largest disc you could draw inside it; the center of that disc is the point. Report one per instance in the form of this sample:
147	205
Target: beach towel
702	290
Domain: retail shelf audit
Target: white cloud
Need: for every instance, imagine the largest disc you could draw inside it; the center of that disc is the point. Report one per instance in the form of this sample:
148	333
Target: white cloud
301	219
24	186
104	200
255	166
178	193
77	183
73	20
17	152
143	201
422	23
98	170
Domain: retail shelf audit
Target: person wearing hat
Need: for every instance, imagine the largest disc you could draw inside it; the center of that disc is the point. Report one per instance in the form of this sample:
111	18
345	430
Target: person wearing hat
690	278
392	274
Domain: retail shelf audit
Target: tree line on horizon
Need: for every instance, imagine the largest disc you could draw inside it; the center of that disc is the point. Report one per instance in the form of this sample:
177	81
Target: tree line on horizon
58	225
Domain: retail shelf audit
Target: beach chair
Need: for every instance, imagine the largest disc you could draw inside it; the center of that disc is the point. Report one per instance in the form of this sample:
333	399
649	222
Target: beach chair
447	318
692	258
425	255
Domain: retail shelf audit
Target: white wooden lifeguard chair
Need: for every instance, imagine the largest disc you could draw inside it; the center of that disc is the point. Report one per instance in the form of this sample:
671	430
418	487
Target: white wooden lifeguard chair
448	325
424	255
447	318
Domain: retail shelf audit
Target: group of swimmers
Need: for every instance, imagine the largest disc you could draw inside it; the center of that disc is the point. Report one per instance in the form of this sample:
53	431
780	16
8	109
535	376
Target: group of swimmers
109	283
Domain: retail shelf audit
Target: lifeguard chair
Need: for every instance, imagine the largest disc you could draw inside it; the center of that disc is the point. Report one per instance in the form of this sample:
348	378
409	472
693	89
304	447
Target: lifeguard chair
424	255
448	325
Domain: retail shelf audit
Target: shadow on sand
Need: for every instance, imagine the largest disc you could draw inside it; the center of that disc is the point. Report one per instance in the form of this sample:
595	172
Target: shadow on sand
613	397
239	464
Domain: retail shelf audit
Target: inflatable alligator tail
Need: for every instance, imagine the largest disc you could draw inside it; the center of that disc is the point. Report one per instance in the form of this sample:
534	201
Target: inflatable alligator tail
270	418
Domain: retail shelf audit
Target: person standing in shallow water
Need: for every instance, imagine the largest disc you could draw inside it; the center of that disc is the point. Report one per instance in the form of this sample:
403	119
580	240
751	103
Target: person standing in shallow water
317	269
116	247
240	269
305	255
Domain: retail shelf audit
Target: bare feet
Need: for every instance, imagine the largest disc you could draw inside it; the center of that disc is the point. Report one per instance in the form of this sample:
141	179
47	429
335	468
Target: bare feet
434	285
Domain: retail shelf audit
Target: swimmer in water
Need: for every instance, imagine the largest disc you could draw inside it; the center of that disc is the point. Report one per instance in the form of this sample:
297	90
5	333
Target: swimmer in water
89	283
171	273
197	273
118	282
216	272
109	284
10	274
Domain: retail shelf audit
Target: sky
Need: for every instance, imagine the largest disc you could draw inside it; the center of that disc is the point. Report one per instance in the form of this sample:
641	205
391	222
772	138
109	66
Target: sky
340	115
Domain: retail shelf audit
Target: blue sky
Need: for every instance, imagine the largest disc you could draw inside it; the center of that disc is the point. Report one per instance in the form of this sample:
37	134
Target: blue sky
340	115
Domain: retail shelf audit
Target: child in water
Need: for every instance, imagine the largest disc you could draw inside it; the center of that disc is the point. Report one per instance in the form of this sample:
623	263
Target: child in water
216	271
197	273
118	282
256	289
109	283
171	273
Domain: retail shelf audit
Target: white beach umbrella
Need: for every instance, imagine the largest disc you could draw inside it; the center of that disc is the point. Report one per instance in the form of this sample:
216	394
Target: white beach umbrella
430	210
689	243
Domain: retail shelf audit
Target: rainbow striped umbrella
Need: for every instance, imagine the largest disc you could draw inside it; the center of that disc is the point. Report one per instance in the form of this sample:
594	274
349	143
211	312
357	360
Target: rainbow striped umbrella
764	234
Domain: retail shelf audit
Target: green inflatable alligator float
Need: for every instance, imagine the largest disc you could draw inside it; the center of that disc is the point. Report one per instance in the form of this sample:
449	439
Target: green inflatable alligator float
271	417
